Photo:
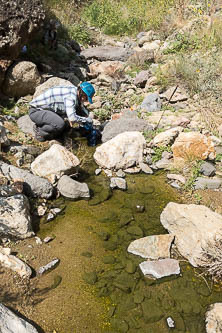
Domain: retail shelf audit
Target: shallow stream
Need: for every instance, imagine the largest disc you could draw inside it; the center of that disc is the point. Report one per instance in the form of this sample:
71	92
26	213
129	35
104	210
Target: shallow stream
101	288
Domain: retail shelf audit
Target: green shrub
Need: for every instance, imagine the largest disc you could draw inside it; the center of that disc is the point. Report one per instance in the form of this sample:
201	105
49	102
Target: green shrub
79	33
126	16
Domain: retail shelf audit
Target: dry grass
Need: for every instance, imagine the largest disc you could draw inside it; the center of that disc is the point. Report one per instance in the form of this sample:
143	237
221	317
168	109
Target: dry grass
211	260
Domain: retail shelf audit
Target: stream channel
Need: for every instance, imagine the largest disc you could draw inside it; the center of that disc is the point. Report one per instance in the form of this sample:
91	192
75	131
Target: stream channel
100	287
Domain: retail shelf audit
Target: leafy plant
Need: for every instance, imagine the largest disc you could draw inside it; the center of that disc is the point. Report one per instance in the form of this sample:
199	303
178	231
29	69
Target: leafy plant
102	114
158	151
194	173
218	158
79	33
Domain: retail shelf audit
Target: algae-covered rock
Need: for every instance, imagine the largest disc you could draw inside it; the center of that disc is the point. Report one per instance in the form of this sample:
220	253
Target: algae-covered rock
151	311
120	325
90	278
136	231
109	260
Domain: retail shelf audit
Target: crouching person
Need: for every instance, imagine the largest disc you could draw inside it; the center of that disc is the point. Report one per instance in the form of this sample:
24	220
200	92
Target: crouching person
49	109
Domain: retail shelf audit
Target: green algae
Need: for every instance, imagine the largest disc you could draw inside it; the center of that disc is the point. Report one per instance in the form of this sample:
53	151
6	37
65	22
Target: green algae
133	303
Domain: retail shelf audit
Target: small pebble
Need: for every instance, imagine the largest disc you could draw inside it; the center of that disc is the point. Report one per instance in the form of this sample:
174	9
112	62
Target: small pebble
170	322
38	240
47	239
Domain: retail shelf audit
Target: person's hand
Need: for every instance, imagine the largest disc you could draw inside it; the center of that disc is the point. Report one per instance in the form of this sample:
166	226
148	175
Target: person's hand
89	120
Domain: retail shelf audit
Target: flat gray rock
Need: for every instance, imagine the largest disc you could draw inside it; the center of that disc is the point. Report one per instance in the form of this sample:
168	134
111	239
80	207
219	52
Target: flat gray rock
26	125
10	323
104	53
119	183
160	268
208	169
72	189
33	186
127	123
207	183
151	103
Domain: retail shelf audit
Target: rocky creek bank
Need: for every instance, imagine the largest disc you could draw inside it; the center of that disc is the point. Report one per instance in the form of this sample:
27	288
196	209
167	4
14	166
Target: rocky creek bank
127	110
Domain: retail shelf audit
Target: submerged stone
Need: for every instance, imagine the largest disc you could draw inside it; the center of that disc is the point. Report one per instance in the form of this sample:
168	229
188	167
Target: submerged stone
151	311
160	268
109	260
134	230
130	267
90	278
120	325
152	247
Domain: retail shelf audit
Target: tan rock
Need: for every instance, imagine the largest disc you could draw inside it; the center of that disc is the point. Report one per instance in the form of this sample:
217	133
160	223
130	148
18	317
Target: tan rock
194	227
152	247
192	146
110	68
21	79
54	162
214	318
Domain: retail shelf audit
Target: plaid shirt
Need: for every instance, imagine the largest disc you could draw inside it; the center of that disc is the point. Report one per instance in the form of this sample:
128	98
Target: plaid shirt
62	100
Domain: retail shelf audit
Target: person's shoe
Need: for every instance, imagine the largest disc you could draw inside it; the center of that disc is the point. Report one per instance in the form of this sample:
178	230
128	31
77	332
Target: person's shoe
35	128
39	137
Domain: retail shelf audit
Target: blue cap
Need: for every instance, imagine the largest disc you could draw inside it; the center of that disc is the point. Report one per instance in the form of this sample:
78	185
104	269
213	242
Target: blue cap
88	90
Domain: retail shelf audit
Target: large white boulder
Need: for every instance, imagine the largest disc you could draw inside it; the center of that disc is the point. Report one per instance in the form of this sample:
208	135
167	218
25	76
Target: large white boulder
54	162
194	226
10	323
21	79
15	218
214	318
121	152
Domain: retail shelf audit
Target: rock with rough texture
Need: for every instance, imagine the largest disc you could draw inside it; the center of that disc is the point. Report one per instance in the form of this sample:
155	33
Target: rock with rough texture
26	125
21	79
110	68
177	177
50	266
4	65
145	168
207	183
4	141
15	218
33	186
141	78
122	152
151	103
127	123
72	189
152	46
15	264
146	37
208	169
179	95
167	137
160	268
194	226
11	323
54	162
214	318
52	82
19	21
106	53
152	247
118	183
193	145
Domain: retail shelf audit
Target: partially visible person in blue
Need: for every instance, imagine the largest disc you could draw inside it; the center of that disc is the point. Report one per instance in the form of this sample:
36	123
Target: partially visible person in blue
49	109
